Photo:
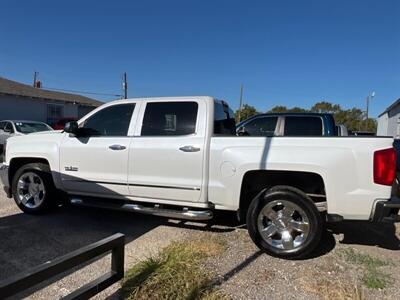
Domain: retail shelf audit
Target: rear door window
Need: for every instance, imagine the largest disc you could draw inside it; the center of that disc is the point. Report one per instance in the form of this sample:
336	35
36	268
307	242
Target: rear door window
169	118
262	126
303	126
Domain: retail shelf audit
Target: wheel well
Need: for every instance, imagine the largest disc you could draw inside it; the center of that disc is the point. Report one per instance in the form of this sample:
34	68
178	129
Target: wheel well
16	163
255	181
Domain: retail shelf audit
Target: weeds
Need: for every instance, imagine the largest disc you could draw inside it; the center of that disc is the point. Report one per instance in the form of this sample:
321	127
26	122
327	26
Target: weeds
176	273
373	278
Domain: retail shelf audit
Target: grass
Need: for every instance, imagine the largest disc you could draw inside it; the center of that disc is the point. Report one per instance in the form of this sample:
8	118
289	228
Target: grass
176	273
373	278
362	259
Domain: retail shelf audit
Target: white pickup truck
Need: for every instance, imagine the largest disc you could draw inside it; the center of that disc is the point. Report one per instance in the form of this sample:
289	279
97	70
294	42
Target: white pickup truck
180	158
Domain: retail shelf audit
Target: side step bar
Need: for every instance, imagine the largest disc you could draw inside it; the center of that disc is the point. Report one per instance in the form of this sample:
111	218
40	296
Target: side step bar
185	213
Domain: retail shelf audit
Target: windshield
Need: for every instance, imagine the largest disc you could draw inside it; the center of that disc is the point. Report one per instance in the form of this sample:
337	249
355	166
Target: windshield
27	127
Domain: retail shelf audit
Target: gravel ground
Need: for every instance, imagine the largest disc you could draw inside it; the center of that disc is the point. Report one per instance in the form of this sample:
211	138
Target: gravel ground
242	272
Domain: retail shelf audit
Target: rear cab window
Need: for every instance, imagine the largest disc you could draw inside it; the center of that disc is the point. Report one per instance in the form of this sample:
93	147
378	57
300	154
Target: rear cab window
224	119
303	126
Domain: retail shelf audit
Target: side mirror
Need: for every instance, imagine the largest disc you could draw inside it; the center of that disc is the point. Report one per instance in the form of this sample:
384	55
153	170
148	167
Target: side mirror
71	127
242	131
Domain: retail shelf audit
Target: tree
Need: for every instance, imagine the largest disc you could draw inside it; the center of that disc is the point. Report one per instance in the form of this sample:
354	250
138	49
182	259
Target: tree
278	109
282	109
246	112
325	107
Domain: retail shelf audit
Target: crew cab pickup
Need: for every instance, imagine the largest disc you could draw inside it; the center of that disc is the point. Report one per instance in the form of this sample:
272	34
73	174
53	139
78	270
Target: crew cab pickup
180	158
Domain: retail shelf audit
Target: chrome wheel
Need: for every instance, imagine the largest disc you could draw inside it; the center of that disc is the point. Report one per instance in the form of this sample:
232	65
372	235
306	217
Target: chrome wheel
30	190
283	224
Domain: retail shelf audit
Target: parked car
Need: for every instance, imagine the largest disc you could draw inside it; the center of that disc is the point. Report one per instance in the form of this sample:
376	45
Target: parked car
9	128
181	158
341	130
288	124
60	124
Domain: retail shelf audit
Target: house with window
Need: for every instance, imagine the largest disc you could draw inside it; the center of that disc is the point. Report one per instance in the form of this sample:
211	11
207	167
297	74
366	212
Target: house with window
20	101
389	121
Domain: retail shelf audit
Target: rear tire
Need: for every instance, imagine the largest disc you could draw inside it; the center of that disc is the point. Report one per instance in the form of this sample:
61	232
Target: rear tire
284	222
33	188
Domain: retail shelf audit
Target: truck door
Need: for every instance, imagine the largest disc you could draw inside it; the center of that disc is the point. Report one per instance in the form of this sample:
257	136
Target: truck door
96	161
167	152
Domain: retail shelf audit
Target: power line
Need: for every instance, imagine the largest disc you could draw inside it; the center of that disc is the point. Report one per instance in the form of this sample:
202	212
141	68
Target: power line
83	92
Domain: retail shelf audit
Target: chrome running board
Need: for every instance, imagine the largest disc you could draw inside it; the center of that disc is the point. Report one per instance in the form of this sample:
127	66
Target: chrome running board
185	213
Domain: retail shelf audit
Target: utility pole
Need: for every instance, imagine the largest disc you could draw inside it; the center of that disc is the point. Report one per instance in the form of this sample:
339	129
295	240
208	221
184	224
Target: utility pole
369	97
35	78
241	102
125	85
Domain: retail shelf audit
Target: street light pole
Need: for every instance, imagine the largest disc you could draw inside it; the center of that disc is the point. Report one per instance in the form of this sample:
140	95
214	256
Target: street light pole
241	102
125	86
369	97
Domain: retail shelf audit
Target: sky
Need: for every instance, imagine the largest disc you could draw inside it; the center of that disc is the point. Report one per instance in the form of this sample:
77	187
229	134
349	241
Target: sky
292	53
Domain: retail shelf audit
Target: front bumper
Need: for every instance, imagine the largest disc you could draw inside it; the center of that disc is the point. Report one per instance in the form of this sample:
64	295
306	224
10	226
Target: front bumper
4	180
387	210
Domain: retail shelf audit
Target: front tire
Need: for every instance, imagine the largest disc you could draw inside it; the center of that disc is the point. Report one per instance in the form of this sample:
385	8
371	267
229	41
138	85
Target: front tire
33	188
285	223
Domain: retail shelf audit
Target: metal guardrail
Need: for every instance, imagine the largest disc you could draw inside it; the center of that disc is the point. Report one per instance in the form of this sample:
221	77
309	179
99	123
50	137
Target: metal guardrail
28	279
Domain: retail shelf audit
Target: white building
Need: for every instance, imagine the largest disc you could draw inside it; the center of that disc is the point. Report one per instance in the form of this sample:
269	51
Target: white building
389	121
24	102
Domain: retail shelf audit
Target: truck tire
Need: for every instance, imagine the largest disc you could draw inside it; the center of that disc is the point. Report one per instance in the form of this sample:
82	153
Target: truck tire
284	222
33	188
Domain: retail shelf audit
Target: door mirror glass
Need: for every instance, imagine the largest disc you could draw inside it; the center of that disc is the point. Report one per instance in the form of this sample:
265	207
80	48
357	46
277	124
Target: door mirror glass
71	127
242	131
9	128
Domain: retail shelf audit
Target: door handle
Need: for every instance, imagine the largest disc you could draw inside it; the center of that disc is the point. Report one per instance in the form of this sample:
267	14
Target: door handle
189	149
117	147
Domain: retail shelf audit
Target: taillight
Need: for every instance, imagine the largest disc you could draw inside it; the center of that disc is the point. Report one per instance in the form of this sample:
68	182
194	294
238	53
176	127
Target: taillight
385	166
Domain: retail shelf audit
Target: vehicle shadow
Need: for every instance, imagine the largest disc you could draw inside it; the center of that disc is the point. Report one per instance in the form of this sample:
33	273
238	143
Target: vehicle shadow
382	235
27	240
